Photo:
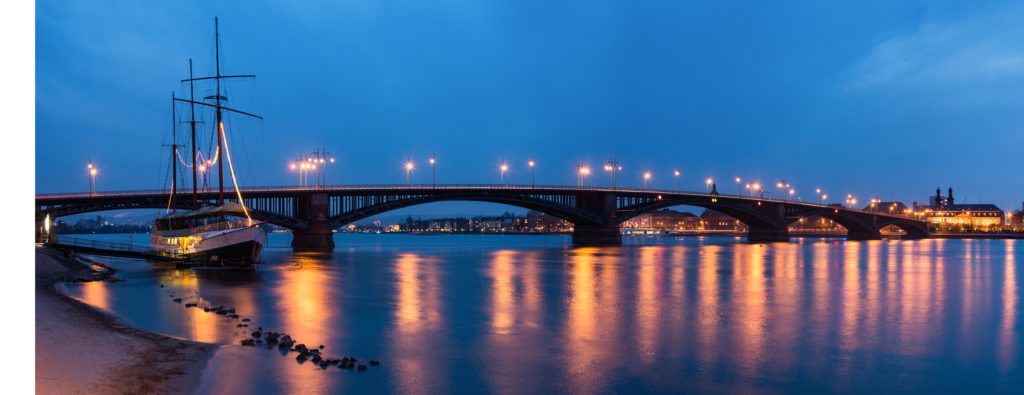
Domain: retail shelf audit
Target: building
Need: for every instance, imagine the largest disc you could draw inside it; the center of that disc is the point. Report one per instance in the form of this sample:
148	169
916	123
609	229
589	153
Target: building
947	215
665	219
714	220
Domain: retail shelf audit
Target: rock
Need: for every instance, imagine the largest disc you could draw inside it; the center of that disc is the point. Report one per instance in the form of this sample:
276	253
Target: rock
233	316
374	362
317	359
300	347
321	347
161	285
257	334
361	368
246	320
190	304
177	300
323	364
344	361
301	358
206	309
231	310
249	342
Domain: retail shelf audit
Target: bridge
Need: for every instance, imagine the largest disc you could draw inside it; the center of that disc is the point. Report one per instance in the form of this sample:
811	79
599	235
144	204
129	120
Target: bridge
596	213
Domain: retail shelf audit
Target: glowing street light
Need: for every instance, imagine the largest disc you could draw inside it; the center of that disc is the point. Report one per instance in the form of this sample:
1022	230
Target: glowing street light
679	179
707	185
582	171
503	168
647	178
824	197
433	170
533	172
93	171
613	166
408	171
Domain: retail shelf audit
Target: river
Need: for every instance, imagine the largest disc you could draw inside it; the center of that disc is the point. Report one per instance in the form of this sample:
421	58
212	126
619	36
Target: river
532	314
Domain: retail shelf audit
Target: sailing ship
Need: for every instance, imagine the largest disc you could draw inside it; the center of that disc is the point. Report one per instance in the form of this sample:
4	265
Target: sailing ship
215	232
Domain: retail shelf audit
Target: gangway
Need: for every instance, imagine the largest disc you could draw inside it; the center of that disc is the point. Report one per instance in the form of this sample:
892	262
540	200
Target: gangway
107	248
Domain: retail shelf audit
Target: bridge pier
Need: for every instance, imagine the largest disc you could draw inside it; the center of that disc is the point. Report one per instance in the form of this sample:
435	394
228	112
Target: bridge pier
863	235
318	235
755	235
596	235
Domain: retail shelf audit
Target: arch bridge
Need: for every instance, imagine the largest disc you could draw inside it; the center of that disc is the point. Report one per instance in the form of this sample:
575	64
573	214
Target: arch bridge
595	212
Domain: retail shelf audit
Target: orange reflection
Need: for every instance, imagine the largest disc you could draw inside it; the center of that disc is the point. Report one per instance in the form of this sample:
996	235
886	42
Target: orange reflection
416	315
96	294
592	318
1007	341
503	292
708	322
648	303
305	302
749	294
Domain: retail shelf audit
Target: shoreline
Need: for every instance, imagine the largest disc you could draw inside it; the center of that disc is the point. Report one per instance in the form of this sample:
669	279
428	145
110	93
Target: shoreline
81	349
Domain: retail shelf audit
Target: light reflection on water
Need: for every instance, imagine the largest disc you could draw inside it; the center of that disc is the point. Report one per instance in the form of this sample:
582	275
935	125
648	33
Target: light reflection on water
530	314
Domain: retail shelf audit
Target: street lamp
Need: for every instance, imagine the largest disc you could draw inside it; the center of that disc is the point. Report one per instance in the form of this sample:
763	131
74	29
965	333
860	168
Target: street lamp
502	169
824	198
408	172
433	171
93	171
582	171
647	178
533	172
613	166
707	185
679	179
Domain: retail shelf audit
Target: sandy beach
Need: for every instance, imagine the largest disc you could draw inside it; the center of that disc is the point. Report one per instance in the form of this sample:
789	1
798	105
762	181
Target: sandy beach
81	350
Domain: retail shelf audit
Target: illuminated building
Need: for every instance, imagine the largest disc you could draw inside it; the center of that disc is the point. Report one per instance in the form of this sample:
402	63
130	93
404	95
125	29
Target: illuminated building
946	214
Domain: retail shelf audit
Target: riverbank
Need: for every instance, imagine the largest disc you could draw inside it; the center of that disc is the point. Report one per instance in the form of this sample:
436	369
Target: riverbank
83	350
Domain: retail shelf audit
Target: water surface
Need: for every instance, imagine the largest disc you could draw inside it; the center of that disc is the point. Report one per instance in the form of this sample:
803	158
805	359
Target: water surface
531	314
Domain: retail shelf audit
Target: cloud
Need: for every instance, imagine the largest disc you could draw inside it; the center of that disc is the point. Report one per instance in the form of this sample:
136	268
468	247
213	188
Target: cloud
984	47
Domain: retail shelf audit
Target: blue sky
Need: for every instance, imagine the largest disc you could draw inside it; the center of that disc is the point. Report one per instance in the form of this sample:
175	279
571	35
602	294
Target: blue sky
883	98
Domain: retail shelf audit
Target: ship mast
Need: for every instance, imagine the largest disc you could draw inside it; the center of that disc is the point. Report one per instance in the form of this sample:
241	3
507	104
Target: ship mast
192	121
174	159
218	126
219	108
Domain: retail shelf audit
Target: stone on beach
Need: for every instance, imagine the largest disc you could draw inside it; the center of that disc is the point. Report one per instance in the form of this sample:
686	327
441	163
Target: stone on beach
374	362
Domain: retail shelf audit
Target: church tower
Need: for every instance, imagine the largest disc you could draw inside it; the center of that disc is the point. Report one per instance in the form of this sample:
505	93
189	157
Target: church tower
938	198
949	199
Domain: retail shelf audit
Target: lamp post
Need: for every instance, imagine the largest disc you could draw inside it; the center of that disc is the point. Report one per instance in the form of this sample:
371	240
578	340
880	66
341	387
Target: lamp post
647	178
707	185
408	172
679	179
582	171
501	170
93	171
613	166
433	171
757	187
533	173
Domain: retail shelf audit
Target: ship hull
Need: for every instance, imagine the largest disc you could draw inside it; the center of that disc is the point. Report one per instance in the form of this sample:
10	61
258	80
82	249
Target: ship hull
230	247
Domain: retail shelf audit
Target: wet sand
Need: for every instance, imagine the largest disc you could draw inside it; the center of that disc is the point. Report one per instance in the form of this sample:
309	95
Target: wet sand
82	350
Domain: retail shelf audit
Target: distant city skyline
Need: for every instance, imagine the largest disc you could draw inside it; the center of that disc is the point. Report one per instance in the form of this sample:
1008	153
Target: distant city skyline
886	100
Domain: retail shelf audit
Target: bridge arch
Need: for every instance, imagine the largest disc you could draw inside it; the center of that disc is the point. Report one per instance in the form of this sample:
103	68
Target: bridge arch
748	214
568	213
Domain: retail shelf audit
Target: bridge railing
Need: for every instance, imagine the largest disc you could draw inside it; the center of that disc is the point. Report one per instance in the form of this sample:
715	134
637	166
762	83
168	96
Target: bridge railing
434	187
110	246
